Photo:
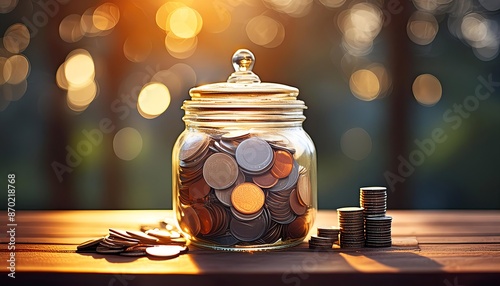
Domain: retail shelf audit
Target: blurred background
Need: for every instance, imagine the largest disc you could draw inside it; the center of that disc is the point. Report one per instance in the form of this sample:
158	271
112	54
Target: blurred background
404	94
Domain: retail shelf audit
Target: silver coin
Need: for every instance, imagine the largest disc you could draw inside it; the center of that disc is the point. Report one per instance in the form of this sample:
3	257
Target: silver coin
248	230
164	251
254	154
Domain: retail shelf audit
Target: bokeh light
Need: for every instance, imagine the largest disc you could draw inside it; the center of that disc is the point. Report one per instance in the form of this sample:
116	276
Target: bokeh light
153	100
427	89
360	25
433	6
216	16
291	8
78	99
7	5
16	69
70	30
3	63
364	84
164	12
185	22
127	143
332	3
180	48
422	28
356	143
106	16
137	47
87	24
79	69
490	5
16	38
265	31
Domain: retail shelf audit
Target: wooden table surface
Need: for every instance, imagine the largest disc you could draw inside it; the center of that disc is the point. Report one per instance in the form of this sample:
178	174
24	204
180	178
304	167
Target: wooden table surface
447	248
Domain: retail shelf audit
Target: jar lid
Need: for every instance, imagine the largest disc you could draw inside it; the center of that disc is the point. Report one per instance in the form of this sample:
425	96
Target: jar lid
243	81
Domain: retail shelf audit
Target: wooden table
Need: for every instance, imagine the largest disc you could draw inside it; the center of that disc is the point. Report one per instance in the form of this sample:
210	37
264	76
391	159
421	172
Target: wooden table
448	248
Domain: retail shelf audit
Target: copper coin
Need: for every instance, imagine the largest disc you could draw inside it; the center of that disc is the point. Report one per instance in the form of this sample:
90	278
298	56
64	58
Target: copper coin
304	190
283	164
266	180
220	171
254	155
190	222
206	221
247	198
296	206
199	189
193	144
298	228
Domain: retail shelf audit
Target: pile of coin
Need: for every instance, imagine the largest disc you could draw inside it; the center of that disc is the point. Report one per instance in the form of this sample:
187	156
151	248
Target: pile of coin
377	224
242	188
156	243
326	238
351	223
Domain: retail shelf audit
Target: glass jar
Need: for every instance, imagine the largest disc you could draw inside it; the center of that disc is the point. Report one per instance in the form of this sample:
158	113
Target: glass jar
244	169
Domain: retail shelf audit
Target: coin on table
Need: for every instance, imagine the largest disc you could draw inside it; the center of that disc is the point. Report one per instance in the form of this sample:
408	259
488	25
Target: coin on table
247	198
164	251
283	164
254	155
143	238
193	145
89	245
220	171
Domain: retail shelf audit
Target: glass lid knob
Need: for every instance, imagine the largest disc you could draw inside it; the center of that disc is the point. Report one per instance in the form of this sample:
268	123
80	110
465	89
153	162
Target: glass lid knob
243	62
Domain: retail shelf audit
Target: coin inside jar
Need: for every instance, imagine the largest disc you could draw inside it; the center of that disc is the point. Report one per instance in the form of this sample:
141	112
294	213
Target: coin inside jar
247	198
254	155
220	171
193	144
283	164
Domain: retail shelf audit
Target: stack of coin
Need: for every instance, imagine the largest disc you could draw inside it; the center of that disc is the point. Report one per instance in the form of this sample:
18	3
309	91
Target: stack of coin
242	188
377	224
136	243
378	231
373	200
319	242
331	232
351	225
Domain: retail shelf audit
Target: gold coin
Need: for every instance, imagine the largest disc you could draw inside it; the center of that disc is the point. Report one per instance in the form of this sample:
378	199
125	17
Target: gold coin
247	198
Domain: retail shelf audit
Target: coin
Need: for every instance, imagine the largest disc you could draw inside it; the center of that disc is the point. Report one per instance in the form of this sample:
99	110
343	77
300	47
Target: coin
298	228
266	180
304	189
190	223
89	245
220	171
192	145
198	189
205	217
248	230
283	164
296	206
254	155
247	198
163	251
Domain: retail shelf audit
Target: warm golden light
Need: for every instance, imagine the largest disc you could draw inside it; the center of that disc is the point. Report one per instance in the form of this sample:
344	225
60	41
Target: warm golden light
16	69
16	39
383	77
474	29
127	143
422	28
78	99
332	3
427	89
291	8
106	16
164	12
70	30
79	69
180	48
153	100
185	22
3	62
360	25
216	17
265	31
61	80
356	144
137	48
364	85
